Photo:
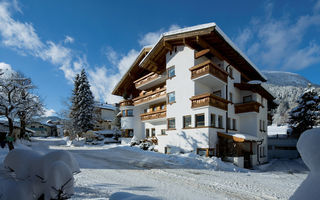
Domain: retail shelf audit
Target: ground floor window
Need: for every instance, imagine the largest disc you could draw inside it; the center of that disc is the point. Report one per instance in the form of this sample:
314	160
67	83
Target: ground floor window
153	132
199	120
171	123
187	121
213	120
163	131
147	133
220	123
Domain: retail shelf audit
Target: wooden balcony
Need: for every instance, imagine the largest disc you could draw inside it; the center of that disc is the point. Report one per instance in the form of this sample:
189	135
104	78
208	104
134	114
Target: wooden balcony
247	107
208	99
154	115
149	80
126	103
206	68
150	96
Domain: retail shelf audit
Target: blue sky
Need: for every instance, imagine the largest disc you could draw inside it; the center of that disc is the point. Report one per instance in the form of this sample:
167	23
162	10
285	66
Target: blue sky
50	41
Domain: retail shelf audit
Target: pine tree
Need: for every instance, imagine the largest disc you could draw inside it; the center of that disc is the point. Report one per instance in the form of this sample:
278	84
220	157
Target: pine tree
74	113
85	104
306	114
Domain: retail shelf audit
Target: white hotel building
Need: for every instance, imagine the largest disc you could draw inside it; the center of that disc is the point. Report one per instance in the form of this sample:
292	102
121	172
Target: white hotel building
194	90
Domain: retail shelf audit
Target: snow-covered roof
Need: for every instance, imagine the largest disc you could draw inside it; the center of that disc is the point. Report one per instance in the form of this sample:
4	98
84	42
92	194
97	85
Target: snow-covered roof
205	26
105	106
239	136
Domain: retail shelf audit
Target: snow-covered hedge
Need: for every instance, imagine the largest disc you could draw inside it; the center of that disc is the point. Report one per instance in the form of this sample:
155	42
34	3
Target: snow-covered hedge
50	175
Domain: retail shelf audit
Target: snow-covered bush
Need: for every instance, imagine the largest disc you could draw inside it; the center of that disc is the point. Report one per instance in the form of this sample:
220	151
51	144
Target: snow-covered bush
49	175
308	147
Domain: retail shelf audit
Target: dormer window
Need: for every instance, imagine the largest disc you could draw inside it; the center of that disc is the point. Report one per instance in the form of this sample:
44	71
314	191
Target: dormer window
247	99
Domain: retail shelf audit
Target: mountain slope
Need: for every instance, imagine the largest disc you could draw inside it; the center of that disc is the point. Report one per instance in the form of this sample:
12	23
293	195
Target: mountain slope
287	87
280	78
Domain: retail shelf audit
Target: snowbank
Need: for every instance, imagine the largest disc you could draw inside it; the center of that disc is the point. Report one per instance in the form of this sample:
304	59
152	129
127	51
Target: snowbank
308	147
35	174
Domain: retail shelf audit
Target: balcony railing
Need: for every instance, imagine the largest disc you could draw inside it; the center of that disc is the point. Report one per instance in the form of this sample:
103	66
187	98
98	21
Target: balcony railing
126	103
208	67
146	79
154	115
209	100
247	107
149	96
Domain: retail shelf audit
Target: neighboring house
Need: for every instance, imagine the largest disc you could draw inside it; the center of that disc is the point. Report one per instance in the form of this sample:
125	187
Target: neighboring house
4	129
195	91
43	129
105	115
280	144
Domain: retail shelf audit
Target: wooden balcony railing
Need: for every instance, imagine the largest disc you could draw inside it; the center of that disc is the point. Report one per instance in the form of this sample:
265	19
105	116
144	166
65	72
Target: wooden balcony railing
126	103
150	95
208	67
154	115
247	107
146	79
208	99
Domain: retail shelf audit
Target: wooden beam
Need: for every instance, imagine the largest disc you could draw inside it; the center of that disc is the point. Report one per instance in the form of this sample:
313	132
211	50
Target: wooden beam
167	46
186	43
201	53
205	45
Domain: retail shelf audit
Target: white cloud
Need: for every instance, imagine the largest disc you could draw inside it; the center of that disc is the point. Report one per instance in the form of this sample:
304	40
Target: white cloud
316	7
112	55
103	81
152	37
49	112
279	43
68	39
23	38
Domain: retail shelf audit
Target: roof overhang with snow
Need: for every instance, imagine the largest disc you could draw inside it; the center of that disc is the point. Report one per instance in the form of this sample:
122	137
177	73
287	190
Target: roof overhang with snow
238	137
207	38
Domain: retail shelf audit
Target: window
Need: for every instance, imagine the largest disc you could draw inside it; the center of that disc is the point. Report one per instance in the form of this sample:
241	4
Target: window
130	112
263	125
187	121
247	99
130	133
33	127
162	107
40	126
123	113
230	97
220	125
163	131
234	122
154	108
171	97
171	72
229	123
213	120
199	120
171	123
153	132
262	102
231	72
147	133
217	93
260	125
145	110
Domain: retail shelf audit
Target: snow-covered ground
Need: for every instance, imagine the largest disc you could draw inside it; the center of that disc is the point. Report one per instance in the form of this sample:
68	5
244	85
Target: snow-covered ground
118	171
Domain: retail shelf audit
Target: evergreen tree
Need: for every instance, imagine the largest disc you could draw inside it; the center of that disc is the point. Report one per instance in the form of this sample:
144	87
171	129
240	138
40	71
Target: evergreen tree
74	112
306	114
85	104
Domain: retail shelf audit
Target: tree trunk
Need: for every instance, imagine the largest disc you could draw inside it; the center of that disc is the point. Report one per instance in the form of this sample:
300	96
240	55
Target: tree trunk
10	142
22	125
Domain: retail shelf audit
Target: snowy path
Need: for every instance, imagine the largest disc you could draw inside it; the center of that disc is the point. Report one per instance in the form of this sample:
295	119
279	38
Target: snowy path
111	169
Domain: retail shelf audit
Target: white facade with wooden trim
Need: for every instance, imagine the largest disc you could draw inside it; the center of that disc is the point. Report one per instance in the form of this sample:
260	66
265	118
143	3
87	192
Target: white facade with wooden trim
192	92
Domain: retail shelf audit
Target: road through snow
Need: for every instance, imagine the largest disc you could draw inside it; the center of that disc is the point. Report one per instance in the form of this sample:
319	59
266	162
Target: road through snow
117	169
